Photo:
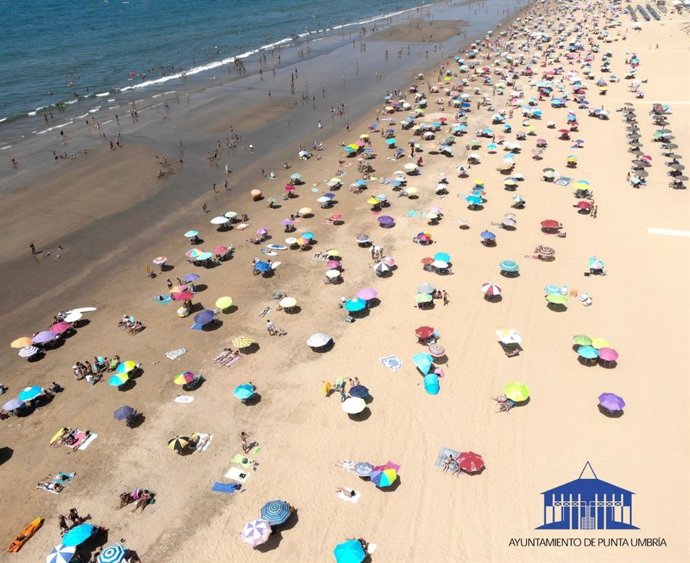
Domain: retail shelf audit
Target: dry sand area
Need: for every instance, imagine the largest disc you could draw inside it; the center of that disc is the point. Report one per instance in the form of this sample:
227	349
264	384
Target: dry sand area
428	515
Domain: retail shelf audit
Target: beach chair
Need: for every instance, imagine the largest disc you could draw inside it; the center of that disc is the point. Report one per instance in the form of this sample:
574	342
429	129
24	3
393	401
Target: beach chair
585	299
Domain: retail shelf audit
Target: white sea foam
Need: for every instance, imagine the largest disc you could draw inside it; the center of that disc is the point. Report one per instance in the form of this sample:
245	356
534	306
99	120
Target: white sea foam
54	127
31	113
6	146
102	94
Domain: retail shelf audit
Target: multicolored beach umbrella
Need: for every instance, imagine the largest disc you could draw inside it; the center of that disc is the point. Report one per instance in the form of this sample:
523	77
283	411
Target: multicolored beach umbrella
256	532
276	512
184	377
118	379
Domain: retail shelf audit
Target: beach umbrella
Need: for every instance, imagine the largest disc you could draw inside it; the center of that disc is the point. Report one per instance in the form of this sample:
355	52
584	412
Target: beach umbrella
123	413
183	296
318	340
423	362
12	405
363	468
359	391
44	337
184	377
600	343
112	554
28	352
440	264
126	366
256	532
383	476
220	250
350	551
550	224
22	342
381	267
178	443
410	167
353	405
552	288
582	340
424	332
262	266
60	328
606	354
193	254
474	199
611	402
78	535
368	293
243	341
203	256
355	304
332	274
491	289
488	235
244	391
160	260
443	256
287	302
517	392
545	250
29	393
190	277
424	298
308	235
588	352
509	266
276	512
224	302
470	462
518	198
118	379
595	264
333	264
305	211
557	298
61	554
190	234
386	221
425	287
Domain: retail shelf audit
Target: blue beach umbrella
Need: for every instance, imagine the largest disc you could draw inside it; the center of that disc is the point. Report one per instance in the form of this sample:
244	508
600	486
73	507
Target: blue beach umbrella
112	554
123	413
391	142
244	391
588	352
262	266
359	391
350	551
276	512
423	362
308	235
190	234
203	256
204	317
355	304
474	199
61	554
431	384
443	256
552	289
78	535
508	266
29	393
488	235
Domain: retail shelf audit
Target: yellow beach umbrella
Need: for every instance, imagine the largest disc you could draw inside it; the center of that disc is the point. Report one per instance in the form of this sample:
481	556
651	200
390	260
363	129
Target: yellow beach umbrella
332	252
364	136
600	343
243	341
517	392
21	342
305	211
224	302
411	190
373	201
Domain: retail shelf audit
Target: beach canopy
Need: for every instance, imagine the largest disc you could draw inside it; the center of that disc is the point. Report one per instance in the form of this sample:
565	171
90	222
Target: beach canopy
61	554
112	554
78	535
350	551
517	392
318	340
611	402
276	512
470	462
256	532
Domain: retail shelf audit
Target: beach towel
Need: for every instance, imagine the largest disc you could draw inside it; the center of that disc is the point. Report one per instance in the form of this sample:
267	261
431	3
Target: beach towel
242	460
392	362
165	299
347	498
229	488
239	475
88	441
231	362
184	399
563	181
79	439
255	450
175	354
241	226
204	441
443	454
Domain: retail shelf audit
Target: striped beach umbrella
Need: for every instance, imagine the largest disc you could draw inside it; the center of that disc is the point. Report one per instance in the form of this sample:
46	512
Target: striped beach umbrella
491	289
27	352
256	532
178	443
276	512
243	341
112	554
61	554
184	377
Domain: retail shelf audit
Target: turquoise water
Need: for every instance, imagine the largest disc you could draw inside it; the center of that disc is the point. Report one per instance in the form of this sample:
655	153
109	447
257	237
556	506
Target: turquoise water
56	51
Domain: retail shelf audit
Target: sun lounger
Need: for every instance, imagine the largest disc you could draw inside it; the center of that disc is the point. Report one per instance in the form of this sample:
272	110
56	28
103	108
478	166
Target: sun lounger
204	441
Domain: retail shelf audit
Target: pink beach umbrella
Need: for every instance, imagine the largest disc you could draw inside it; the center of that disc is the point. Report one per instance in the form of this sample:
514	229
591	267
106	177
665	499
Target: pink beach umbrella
182	296
388	260
59	328
333	265
262	231
367	293
220	250
608	354
160	260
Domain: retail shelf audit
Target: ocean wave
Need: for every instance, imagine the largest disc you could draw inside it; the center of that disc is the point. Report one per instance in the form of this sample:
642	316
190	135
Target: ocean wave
44	131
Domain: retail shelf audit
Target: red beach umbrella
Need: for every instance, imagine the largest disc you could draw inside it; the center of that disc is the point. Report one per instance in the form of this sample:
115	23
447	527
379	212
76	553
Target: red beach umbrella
550	224
470	462
424	332
182	296
220	250
427	261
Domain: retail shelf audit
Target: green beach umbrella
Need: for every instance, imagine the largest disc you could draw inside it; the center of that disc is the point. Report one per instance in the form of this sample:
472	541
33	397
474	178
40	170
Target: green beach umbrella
557	298
517	392
582	340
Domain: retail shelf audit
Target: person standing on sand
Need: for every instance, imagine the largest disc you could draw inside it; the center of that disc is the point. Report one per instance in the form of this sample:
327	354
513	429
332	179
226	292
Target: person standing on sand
204	207
32	247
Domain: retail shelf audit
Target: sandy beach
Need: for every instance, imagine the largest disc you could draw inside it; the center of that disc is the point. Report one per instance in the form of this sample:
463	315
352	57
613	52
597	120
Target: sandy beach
99	220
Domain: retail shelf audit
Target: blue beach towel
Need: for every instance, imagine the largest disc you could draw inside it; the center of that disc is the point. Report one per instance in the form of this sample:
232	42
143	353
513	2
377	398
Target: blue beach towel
392	362
166	299
229	488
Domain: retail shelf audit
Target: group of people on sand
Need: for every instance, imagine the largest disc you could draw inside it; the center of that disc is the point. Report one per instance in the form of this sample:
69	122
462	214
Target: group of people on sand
451	464
94	372
227	357
339	387
129	323
74	519
142	498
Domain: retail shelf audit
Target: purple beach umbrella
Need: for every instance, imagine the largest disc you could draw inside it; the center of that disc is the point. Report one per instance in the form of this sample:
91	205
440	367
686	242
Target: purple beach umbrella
367	293
611	402
44	336
204	317
386	221
191	277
